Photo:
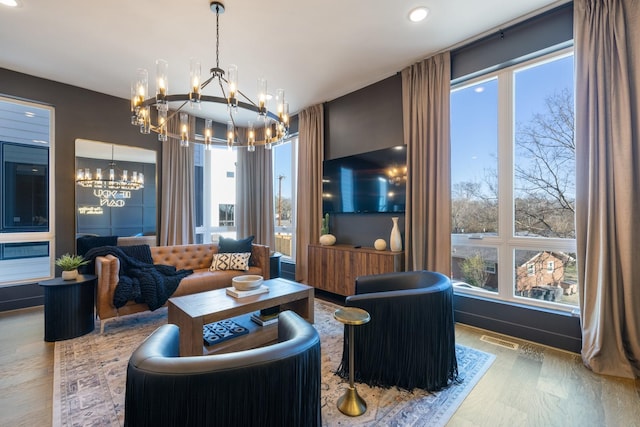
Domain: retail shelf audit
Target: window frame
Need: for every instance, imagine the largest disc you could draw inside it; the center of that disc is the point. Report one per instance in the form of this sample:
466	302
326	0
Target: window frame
48	236
506	242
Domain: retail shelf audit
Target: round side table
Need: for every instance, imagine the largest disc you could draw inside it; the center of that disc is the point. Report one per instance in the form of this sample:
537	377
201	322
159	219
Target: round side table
68	307
351	403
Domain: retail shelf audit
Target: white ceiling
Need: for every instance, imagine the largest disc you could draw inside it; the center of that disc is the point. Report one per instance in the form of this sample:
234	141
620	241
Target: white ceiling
315	50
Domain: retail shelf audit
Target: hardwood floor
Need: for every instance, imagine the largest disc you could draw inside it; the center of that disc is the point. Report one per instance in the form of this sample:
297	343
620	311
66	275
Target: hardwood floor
26	369
537	385
530	386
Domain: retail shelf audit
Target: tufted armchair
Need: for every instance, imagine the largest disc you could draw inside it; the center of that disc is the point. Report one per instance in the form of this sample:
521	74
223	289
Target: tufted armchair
410	340
276	385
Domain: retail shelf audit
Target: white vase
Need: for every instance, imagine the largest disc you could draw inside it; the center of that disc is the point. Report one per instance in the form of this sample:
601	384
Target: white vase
69	275
395	240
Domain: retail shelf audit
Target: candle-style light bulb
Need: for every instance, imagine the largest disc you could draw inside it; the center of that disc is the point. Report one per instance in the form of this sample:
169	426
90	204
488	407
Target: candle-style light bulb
232	79
196	79
262	98
162	84
208	133
230	134
184	130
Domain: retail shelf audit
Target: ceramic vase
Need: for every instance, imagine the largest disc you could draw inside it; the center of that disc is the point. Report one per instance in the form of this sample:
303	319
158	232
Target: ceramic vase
380	244
395	240
69	275
327	239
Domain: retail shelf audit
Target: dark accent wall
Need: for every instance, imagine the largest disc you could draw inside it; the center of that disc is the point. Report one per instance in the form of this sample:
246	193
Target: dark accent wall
548	327
365	120
531	38
79	113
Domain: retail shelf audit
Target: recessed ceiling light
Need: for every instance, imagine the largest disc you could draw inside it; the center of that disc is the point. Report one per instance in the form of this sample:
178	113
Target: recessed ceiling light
418	14
10	3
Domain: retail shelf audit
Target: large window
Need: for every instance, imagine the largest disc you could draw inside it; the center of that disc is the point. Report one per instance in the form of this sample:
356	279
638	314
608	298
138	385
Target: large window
284	190
215	188
513	183
215	181
26	203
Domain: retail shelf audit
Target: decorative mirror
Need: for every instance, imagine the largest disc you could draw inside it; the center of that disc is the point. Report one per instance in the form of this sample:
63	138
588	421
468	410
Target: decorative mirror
115	190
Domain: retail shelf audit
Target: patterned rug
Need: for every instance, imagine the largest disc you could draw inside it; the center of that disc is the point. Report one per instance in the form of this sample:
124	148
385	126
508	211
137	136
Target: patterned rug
90	374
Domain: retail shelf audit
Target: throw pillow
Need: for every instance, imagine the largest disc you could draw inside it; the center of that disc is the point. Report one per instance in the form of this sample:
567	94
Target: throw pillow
230	261
228	245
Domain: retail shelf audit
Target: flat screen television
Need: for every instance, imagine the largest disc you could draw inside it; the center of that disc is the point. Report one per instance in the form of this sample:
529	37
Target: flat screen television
363	183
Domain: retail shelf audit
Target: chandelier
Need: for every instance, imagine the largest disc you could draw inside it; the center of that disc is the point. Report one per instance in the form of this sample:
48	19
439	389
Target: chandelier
397	175
272	126
114	179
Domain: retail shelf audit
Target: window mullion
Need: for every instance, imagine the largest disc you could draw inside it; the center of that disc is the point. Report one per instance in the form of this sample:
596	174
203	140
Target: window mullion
505	184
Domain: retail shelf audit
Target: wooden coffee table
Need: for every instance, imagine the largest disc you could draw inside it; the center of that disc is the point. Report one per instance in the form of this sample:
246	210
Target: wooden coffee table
192	312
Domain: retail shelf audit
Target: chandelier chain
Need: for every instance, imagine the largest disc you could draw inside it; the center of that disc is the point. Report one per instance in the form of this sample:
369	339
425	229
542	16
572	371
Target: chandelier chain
217	36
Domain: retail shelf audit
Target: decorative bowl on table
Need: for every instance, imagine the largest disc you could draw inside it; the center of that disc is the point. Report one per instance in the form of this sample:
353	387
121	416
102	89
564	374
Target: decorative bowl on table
247	282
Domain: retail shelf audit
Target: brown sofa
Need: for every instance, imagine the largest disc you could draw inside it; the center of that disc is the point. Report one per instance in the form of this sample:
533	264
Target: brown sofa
193	257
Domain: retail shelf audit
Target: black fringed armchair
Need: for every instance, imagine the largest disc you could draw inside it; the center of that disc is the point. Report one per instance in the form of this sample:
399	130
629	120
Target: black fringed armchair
275	385
410	340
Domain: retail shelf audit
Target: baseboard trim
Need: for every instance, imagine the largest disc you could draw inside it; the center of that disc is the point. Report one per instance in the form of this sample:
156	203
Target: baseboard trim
546	327
21	296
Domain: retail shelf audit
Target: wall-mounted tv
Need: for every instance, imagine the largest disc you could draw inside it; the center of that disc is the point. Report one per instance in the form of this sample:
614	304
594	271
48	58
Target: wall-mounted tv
369	182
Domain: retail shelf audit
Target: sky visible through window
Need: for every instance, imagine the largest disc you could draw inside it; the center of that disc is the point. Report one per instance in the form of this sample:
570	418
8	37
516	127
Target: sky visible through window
282	167
474	126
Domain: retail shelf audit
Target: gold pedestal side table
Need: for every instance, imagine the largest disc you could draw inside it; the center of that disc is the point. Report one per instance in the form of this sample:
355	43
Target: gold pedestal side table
351	403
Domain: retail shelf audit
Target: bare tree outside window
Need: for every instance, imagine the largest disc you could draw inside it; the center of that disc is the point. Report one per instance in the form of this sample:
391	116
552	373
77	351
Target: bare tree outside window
545	170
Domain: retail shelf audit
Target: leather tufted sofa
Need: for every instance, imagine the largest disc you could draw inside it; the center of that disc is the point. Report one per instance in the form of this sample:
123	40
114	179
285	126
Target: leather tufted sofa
192	257
275	385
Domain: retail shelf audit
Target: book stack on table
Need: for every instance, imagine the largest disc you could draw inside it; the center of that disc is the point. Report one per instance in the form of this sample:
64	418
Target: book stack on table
239	294
267	316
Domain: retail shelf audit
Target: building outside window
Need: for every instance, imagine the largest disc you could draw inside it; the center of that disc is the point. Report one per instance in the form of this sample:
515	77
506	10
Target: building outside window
26	196
215	183
513	183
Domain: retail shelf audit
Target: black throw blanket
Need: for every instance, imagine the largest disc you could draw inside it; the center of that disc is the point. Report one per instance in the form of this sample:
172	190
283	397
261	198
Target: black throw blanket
140	280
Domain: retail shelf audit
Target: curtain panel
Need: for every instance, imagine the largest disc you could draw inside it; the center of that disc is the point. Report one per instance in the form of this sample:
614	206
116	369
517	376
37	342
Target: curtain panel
309	197
177	225
254	196
425	106
607	46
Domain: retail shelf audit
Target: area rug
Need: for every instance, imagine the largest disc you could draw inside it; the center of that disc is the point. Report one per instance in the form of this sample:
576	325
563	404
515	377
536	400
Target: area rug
90	375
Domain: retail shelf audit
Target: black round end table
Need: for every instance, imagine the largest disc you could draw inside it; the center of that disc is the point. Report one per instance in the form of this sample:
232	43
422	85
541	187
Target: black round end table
68	307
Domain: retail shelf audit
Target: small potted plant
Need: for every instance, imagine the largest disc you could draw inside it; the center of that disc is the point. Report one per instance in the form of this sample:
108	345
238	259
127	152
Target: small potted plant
69	265
326	239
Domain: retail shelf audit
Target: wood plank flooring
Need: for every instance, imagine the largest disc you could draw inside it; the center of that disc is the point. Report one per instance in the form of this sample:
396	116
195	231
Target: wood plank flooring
26	369
531	386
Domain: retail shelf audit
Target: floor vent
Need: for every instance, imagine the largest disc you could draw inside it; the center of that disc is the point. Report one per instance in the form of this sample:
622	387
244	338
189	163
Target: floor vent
497	341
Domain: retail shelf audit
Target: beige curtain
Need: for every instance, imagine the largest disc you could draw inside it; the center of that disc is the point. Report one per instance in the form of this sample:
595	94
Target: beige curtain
177	215
309	198
254	196
607	46
425	107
